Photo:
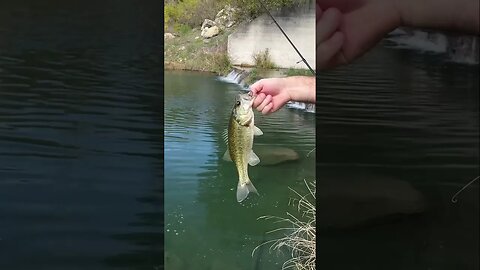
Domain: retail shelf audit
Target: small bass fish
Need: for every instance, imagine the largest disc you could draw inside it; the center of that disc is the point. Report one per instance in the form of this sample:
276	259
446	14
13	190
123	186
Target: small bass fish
239	138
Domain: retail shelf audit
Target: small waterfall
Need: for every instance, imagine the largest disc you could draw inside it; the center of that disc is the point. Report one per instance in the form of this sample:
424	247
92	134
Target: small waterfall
459	49
237	76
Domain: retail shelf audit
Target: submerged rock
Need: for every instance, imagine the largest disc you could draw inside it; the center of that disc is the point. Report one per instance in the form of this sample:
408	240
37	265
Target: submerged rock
363	199
271	155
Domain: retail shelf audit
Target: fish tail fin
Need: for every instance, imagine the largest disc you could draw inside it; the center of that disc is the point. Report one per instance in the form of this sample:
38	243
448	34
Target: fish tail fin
243	189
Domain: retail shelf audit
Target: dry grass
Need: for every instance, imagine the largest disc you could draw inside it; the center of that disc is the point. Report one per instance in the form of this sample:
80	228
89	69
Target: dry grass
299	236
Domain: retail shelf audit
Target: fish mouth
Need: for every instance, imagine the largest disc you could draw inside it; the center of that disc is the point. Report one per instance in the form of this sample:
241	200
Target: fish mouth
248	97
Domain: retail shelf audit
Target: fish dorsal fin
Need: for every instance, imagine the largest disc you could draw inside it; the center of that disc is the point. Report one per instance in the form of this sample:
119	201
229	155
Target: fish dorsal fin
257	131
253	159
225	136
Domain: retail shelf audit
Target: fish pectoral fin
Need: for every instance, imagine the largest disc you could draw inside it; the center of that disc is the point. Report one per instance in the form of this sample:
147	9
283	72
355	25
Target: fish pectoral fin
226	156
253	159
257	131
244	189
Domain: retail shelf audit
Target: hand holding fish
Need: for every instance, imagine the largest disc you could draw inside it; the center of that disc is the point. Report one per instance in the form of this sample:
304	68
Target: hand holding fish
346	29
273	93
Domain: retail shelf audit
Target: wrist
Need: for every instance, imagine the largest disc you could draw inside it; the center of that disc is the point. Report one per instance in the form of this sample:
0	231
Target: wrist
458	15
301	88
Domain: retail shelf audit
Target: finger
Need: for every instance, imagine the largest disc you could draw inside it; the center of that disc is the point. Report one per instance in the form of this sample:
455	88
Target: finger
257	86
260	97
264	103
327	25
267	109
328	49
319	12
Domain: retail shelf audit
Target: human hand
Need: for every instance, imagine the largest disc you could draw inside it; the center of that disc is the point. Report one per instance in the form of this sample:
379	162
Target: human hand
271	94
346	29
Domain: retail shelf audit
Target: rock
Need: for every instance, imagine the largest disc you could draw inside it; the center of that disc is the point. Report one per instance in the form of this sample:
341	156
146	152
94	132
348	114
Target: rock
346	201
225	17
209	32
168	36
207	24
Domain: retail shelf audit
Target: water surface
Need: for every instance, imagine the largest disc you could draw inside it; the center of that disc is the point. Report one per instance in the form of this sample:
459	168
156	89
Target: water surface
80	135
407	116
205	226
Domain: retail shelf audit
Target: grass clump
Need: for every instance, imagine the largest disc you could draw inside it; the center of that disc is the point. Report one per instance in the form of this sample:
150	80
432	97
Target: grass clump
299	233
298	72
263	60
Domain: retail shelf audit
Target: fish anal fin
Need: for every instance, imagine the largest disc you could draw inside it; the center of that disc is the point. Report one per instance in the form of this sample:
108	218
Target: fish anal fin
253	159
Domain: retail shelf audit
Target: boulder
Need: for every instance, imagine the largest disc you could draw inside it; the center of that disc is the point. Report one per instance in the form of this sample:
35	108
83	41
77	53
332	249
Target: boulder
207	24
225	17
209	32
168	36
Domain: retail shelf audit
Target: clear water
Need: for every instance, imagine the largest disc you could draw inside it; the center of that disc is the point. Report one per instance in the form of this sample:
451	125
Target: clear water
206	228
412	117
80	135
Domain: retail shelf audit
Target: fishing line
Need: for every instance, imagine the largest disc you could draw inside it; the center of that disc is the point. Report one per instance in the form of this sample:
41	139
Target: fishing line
454	198
291	43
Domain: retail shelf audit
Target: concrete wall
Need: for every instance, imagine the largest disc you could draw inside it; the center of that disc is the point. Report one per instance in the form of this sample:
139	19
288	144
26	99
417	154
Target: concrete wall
262	33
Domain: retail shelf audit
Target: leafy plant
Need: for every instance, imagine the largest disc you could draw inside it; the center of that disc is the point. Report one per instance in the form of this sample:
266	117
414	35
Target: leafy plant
263	60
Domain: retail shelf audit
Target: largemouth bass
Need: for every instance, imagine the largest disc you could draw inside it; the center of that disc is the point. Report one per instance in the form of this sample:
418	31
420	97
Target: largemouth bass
239	138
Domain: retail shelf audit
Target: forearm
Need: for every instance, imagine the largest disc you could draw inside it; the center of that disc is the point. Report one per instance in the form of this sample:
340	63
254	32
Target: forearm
302	88
455	15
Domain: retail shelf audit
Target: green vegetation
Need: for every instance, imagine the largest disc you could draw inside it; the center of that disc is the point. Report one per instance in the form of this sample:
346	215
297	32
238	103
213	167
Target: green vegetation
193	12
298	72
190	12
252	77
252	8
190	52
262	60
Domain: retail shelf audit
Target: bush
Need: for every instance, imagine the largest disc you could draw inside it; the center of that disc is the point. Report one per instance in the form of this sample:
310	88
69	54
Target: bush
262	60
221	63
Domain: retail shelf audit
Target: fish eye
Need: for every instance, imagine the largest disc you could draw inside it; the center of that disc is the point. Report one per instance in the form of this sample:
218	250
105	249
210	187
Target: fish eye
238	102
